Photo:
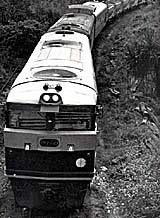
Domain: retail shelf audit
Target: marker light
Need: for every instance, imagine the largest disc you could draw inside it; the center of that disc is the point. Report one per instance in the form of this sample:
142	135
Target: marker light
81	162
70	147
46	97
27	146
58	88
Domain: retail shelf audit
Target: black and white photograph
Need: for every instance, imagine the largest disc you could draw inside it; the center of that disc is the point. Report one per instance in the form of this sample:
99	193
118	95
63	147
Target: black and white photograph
80	109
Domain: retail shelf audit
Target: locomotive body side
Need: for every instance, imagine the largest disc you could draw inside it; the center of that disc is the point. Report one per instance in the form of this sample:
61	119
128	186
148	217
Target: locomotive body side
101	15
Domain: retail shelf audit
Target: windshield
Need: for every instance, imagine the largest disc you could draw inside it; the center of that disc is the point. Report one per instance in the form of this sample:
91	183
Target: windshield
54	73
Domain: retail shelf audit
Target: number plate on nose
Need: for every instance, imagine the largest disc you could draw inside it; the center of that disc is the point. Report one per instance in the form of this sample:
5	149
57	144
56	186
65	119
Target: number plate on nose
49	142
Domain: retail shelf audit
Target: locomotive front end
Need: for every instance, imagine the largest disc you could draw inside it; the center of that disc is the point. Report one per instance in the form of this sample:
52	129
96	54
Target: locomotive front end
50	133
52	149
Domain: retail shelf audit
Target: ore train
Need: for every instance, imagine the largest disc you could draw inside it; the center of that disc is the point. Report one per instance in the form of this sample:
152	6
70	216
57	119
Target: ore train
51	109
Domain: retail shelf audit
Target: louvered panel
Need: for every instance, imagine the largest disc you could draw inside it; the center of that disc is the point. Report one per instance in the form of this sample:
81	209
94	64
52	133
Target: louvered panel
72	121
61	121
59	53
75	55
44	54
72	116
32	123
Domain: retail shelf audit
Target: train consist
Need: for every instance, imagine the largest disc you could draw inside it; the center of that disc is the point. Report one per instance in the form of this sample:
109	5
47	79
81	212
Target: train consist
50	133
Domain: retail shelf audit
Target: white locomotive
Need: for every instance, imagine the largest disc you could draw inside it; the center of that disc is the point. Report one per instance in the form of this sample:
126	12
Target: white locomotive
50	133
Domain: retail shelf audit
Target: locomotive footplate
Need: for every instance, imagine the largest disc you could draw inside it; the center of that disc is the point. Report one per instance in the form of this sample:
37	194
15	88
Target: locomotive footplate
50	165
49	195
49	180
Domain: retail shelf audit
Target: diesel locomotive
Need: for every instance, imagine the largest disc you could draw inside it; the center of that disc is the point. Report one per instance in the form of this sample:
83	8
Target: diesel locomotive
50	133
51	111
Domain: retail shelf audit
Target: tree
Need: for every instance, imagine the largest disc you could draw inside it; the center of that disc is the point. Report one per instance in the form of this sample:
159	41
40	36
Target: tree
19	39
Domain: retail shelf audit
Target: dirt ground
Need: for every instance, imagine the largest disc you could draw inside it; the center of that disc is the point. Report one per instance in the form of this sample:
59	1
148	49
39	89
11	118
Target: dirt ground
127	181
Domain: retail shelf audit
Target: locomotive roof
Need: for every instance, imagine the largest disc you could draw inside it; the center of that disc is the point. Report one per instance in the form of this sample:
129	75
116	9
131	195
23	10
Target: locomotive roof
79	8
55	59
60	50
63	59
76	22
98	7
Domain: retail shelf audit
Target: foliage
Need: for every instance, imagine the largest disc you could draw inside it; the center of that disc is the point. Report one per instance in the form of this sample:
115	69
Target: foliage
19	39
128	158
144	56
21	25
42	10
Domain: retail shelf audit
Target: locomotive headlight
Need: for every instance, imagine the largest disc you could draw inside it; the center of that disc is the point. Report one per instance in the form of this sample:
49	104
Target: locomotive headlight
50	98
80	162
55	98
46	98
